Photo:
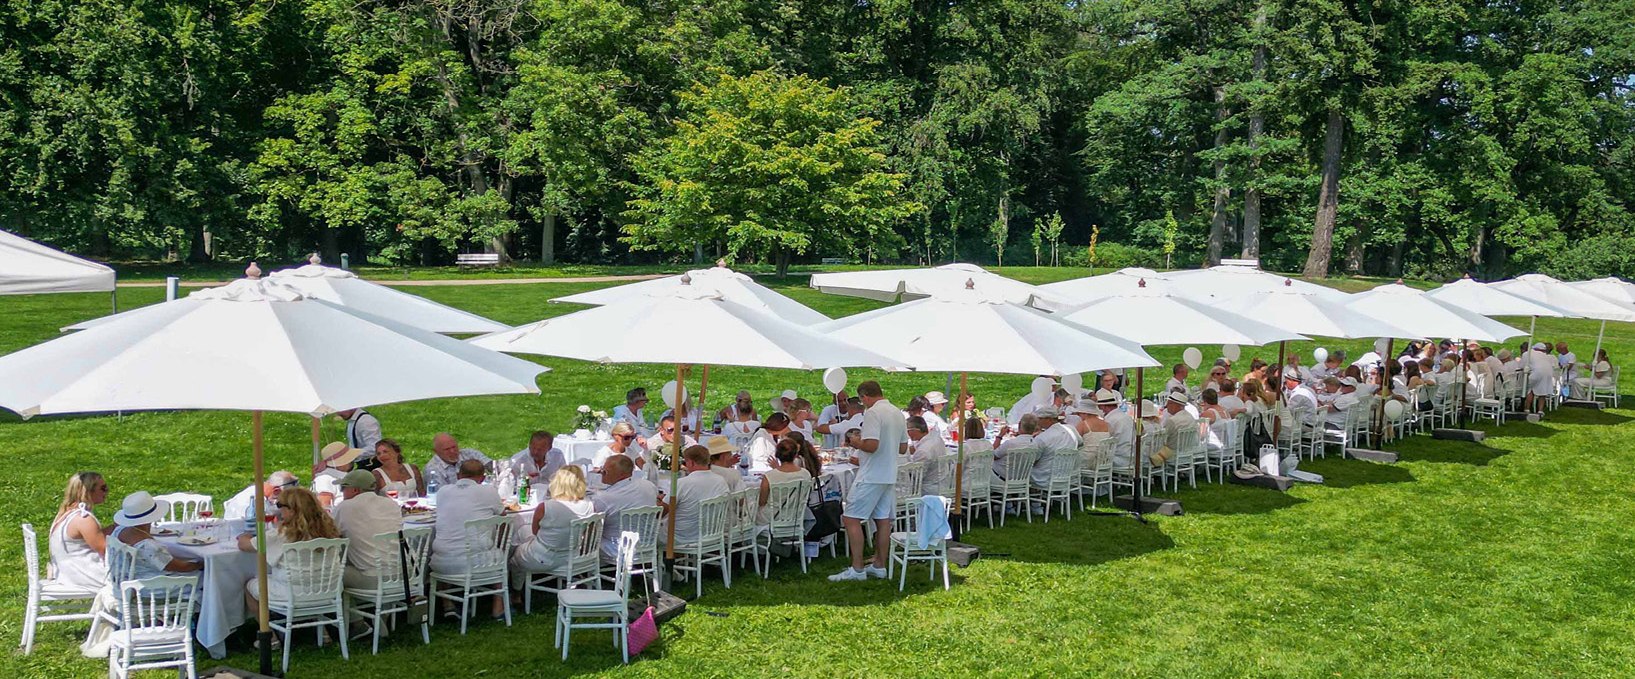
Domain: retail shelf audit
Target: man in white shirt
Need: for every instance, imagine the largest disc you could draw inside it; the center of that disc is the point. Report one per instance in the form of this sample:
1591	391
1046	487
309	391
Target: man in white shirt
461	501
1026	429
1054	438
693	490
634	401
832	414
1228	398
1301	400
724	461
1569	361
1027	404
1344	392
539	461
622	492
442	469
665	444
936	402
1541	373
925	446
883	436
781	402
834	433
363	516
764	444
1176	420
1178	378
240	505
1120	427
362	432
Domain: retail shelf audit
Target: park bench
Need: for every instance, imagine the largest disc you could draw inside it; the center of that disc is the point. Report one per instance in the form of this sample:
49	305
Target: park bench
477	259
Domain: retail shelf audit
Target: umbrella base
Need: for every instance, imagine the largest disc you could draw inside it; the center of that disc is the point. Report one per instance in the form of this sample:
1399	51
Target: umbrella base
230	673
1459	435
962	554
665	606
1277	483
1575	403
1372	455
1149	505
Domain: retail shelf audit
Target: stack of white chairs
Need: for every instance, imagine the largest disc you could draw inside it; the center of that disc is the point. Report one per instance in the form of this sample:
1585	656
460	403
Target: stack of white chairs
583	566
386	599
709	546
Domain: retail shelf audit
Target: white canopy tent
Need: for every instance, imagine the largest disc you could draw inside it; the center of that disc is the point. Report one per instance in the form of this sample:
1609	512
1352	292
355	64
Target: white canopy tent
1227	281
1574	300
1081	290
252	345
1302	311
731	285
1611	287
1488	300
29	268
911	284
1427	316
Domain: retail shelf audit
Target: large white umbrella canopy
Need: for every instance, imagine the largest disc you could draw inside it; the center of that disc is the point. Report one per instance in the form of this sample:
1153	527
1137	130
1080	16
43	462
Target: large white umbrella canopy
1488	300
1227	281
1578	302
251	345
1152	316
1426	316
1611	287
731	285
701	326
28	268
977	331
1302	311
1081	290
910	284
344	288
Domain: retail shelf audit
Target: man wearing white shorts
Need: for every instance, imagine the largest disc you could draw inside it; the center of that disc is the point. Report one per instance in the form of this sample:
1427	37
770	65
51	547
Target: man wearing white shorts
883	436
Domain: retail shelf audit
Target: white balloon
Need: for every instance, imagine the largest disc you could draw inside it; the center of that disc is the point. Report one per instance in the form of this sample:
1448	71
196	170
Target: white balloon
668	394
834	379
1193	357
1380	345
1320	354
1393	410
1041	388
1073	383
1231	352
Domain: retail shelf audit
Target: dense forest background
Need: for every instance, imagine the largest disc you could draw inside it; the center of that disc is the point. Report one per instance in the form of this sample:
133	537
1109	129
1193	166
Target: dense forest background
1413	137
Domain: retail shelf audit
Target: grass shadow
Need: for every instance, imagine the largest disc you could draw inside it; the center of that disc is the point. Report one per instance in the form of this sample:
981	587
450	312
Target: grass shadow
1089	539
1340	473
1452	452
1232	499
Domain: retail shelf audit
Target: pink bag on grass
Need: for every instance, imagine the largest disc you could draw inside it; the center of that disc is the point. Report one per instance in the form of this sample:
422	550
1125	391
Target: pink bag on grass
644	630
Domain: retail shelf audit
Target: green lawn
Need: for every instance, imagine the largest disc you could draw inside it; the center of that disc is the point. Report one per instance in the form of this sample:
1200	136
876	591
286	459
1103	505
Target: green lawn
1464	560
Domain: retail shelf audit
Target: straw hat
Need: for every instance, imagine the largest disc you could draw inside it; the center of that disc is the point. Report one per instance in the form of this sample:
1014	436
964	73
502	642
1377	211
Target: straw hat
338	454
936	398
720	445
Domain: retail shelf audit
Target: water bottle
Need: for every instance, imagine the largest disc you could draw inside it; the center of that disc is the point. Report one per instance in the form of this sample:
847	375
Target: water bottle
431	485
522	490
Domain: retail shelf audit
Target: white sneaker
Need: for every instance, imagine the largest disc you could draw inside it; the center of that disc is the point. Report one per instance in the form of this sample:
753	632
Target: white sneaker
849	574
874	571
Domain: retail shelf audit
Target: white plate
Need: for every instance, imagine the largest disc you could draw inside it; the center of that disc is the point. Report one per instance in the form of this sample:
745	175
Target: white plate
198	541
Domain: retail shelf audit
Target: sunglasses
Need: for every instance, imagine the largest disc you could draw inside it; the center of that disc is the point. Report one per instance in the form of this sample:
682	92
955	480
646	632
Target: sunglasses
281	505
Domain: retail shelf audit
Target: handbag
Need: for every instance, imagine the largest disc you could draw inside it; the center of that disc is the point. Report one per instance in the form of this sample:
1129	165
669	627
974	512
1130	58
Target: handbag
644	630
419	608
826	518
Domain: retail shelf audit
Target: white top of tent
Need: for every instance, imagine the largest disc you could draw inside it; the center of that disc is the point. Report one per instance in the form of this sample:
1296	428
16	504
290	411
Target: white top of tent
28	268
910	284
1081	290
1226	281
1487	300
1611	287
1542	288
1306	313
1427	316
1157	317
731	284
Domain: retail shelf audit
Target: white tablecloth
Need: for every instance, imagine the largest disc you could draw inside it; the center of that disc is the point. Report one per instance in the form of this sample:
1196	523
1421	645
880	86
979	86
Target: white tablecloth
576	449
221	594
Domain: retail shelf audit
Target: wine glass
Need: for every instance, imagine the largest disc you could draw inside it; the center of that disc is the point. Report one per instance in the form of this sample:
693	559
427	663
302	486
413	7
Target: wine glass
391	493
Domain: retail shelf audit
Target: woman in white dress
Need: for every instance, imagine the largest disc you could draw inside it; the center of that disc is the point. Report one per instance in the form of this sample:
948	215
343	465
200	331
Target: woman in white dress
134	521
300	518
394	474
552	543
801	418
1601	379
738	422
77	541
786	467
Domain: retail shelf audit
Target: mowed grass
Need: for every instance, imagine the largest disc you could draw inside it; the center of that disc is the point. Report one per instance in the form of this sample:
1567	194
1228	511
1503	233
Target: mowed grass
1464	560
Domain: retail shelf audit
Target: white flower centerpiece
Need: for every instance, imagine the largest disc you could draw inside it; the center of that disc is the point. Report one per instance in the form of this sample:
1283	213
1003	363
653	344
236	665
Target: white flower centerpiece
589	423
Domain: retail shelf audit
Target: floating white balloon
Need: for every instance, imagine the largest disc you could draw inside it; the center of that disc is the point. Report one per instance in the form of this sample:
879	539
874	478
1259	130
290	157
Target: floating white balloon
1231	352
668	394
1041	388
834	379
1073	383
1193	357
1394	410
1319	354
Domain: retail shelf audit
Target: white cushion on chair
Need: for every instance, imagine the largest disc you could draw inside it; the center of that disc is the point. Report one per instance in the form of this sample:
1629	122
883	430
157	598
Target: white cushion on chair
51	590
908	540
590	598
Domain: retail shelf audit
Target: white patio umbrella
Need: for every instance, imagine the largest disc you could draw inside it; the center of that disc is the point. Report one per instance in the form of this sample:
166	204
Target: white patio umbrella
1487	300
1226	281
972	330
252	345
1305	312
1611	287
1574	300
910	284
732	286
1081	290
701	326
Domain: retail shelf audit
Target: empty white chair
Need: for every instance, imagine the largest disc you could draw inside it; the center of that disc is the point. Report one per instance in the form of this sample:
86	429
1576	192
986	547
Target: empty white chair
156	626
387	598
910	484
584	563
710	546
314	569
905	544
1014	487
48	600
786	518
644	522
487	573
742	530
610	607
977	487
185	507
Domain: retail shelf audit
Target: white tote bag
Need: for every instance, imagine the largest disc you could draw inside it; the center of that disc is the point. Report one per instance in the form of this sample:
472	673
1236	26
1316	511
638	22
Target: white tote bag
1269	460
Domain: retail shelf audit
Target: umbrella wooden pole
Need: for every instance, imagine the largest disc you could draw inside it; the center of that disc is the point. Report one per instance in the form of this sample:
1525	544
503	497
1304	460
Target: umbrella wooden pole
317	433
1140	426
675	471
1385	388
1595	358
263	617
959	463
703	385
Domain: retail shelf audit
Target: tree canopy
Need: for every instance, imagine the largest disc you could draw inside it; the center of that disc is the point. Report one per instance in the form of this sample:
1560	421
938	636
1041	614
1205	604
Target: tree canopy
1398	137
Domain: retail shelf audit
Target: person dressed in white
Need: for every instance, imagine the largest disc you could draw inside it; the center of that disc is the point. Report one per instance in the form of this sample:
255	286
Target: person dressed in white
832	414
925	446
240	505
134	522
1344	398
552	543
1228	399
458	502
1176	420
883	436
1029	403
1023	438
1568	362
801	418
334	462
764	444
834	433
1541	369
363	516
447	455
393	475
1178	378
724	461
362	432
1301	400
1055	438
697	487
623	492
663	443
78	542
1601	377
635	401
539	461
782	402
625	442
786	468
1120	427
691	422
936	403
739	420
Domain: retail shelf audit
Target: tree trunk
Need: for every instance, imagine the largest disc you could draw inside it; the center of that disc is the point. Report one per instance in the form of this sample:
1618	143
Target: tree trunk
1257	125
782	258
1223	193
1328	197
547	239
329	246
197	251
1354	252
